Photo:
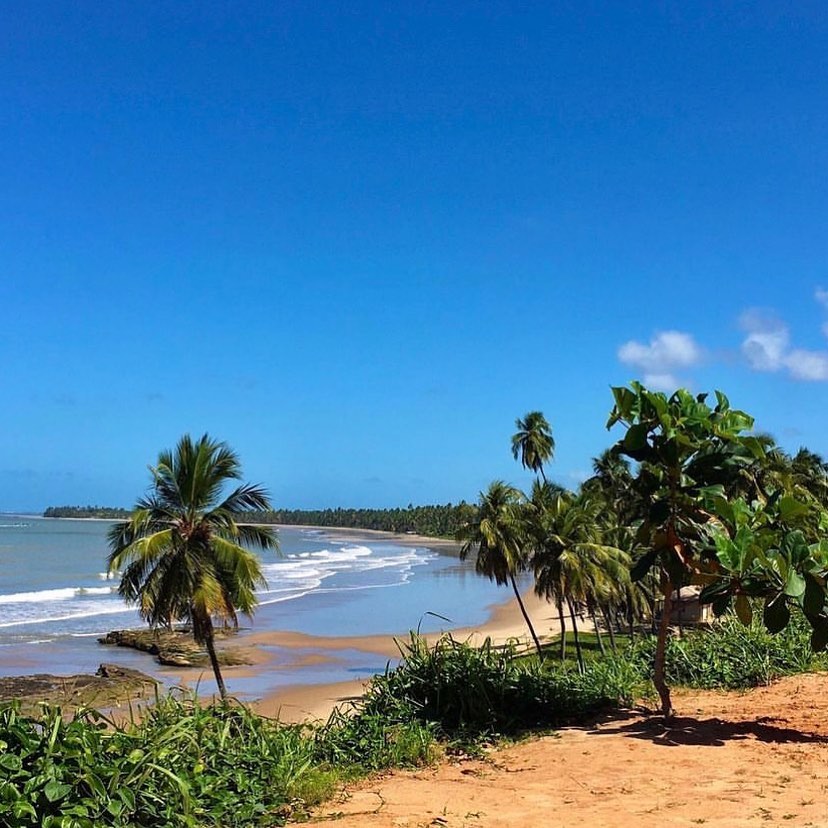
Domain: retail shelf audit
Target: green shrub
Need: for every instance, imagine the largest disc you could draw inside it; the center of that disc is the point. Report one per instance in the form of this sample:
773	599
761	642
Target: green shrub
183	765
461	690
730	655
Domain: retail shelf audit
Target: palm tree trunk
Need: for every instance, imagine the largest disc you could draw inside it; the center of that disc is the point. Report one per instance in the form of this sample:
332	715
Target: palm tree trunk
598	631
209	643
581	665
526	616
562	619
661	649
610	630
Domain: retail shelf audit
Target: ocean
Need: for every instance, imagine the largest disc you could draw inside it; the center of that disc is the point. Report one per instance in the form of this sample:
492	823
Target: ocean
56	598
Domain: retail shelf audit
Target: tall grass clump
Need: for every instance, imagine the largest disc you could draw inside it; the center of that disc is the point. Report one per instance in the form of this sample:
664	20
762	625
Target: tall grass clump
460	690
730	655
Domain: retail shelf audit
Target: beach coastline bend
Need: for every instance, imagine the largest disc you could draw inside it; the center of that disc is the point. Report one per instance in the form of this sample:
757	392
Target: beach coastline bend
297	676
314	701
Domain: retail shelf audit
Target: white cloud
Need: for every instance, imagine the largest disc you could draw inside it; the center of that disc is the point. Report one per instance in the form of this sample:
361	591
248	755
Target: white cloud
767	341
821	296
658	360
662	382
808	365
767	347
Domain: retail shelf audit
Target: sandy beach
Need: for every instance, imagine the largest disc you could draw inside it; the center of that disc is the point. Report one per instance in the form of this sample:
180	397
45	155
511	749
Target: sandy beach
273	651
315	701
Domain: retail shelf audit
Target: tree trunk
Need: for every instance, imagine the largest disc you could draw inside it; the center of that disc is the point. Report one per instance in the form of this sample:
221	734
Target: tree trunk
661	648
209	643
562	618
581	665
610	629
526	616
598	631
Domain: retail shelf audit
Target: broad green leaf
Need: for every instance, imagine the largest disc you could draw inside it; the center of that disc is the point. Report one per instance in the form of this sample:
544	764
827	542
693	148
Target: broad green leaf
795	584
754	446
726	552
56	790
743	610
636	437
23	808
624	401
11	762
790	508
713	591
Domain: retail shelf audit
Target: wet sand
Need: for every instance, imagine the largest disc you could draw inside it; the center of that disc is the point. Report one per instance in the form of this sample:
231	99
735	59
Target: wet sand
272	652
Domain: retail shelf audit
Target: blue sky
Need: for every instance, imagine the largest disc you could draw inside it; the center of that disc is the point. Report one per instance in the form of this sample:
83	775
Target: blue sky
357	240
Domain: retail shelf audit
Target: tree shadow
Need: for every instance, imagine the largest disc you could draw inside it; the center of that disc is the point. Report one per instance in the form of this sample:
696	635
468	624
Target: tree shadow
713	732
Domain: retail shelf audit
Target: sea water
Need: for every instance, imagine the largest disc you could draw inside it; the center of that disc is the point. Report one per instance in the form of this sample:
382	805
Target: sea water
56	596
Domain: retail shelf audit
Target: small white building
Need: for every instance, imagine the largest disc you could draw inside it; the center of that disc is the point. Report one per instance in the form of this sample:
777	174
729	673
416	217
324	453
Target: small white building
687	611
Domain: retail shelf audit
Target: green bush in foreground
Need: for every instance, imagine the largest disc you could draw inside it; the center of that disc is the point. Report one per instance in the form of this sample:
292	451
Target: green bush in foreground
182	766
461	690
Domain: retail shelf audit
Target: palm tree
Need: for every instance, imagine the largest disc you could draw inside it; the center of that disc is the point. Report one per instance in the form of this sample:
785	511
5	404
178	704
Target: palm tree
533	442
182	553
572	565
496	534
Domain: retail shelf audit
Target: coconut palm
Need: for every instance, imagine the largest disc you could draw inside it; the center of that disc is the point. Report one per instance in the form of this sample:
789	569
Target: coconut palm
183	555
533	442
496	535
572	565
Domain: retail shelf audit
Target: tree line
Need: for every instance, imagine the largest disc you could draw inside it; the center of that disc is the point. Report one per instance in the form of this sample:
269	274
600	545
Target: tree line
435	521
441	521
100	512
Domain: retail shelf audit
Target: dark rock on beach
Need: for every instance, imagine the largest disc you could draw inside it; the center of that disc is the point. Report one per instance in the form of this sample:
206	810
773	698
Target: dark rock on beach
111	685
176	648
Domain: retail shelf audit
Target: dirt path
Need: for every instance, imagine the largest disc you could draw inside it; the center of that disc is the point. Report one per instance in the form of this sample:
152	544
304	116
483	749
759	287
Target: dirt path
736	759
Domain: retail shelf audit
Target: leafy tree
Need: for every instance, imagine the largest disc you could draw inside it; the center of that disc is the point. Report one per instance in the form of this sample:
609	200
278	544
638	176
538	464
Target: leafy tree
183	555
763	553
496	535
687	453
533	442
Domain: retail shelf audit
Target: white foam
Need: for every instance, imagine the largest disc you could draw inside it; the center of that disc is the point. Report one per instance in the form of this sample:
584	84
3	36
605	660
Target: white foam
111	608
62	594
290	577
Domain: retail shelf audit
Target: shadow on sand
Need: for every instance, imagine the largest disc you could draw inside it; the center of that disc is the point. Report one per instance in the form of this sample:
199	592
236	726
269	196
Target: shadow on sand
686	730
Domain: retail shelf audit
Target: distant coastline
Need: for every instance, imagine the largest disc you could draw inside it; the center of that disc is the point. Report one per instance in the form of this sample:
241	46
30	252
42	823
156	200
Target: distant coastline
431	521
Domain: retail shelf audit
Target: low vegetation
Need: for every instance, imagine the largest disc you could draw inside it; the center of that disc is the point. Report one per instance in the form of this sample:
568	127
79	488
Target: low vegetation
186	765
